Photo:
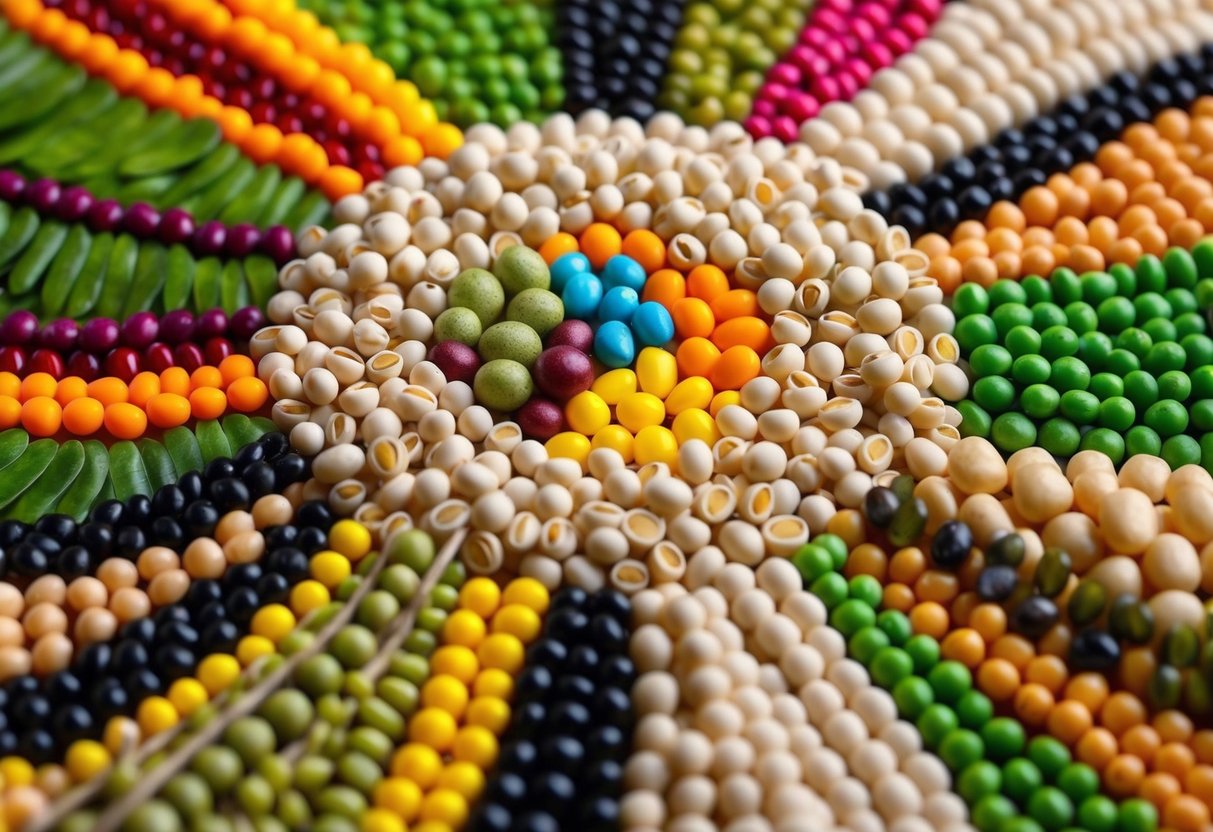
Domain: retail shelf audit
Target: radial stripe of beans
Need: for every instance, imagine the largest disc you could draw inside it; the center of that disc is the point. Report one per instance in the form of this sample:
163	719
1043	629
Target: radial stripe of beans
1007	780
464	705
721	54
840	48
615	53
111	678
1151	189
562	758
1020	157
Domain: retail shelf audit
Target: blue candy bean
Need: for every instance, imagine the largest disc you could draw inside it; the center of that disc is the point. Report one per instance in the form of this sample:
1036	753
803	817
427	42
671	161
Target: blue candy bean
652	324
619	304
567	266
622	270
613	345
581	296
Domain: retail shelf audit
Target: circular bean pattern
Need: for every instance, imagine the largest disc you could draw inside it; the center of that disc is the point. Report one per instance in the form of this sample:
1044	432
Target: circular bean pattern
832	450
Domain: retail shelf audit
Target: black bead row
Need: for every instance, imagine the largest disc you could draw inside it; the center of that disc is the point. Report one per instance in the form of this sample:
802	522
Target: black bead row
174	516
562	758
40	718
1020	158
615	53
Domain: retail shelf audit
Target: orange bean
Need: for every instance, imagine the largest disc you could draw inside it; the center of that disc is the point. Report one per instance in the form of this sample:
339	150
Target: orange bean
707	282
665	286
697	357
748	331
737	365
693	318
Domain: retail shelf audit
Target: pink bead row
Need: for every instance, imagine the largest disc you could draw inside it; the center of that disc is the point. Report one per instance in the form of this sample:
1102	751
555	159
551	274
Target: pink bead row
841	46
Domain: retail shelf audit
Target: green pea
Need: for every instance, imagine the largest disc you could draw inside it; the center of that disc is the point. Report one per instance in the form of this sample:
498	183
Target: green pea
1012	432
378	714
221	767
867	590
970	299
1080	317
1039	401
975	330
319	674
1022	340
1051	808
1059	436
864	645
1097	814
913	696
1097	287
255	795
831	588
1115	314
1108	442
1160	329
377	609
1030	369
1106	385
1036	289
852	615
950	680
1196	345
990	360
1021	778
936	722
1166	417
960	748
924	651
289	712
153	816
277	772
978	780
358	771
890	665
1011	315
896	625
1079	781
335	823
992	812
1117	413
1126	279
1049	755
1182	450
189	794
1070	373
372	742
1142	440
974	709
353	646
342	800
974	420
994	393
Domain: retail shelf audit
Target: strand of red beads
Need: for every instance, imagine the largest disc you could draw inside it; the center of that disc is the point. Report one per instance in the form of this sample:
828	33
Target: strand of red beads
144	341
